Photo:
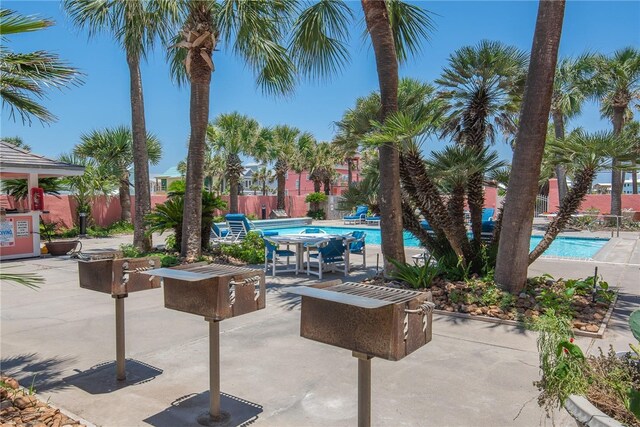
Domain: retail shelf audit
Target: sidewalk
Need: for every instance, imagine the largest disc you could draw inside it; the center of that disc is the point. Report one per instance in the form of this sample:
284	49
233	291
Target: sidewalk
471	374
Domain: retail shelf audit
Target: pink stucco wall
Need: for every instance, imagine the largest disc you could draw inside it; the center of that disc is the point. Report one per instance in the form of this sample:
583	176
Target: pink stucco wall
602	202
105	212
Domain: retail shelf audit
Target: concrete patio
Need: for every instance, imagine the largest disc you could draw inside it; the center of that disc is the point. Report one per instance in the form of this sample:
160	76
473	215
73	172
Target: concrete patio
61	338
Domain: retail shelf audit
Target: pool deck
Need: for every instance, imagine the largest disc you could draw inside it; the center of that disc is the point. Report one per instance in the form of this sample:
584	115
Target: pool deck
473	373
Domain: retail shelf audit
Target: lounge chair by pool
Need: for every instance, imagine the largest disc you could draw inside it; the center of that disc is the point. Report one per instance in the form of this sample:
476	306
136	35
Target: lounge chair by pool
358	217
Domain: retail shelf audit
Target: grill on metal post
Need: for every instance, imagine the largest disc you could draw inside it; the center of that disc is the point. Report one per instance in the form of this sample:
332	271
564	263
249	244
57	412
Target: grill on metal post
216	292
371	321
118	277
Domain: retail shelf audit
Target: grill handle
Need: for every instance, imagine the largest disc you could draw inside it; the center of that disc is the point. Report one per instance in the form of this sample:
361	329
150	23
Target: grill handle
425	308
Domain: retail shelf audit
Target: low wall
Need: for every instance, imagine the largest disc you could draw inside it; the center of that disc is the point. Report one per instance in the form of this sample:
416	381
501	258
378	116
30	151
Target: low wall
106	211
602	202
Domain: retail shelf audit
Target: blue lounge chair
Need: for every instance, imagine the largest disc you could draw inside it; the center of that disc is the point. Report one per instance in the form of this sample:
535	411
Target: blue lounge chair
358	217
272	254
218	234
372	220
239	226
330	254
358	247
426	225
488	224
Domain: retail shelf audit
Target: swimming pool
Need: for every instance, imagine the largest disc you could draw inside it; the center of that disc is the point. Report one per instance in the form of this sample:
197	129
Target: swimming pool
565	247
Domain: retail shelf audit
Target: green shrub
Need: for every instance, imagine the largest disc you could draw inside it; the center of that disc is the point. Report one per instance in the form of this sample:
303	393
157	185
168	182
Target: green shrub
130	251
317	214
169	260
491	295
561	362
170	243
452	267
252	217
315	198
416	276
250	250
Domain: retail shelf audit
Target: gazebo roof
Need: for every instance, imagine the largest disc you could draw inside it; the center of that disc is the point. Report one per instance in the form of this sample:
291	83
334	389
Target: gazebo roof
18	163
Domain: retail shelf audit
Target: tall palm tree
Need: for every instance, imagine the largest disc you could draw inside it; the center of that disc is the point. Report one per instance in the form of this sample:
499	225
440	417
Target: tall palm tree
135	25
263	176
301	162
517	215
255	31
284	142
482	86
114	147
233	135
570	90
322	166
24	77
617	85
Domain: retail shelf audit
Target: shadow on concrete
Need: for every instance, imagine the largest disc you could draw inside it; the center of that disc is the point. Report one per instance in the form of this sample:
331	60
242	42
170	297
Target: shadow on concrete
625	305
185	410
101	378
32	371
521	329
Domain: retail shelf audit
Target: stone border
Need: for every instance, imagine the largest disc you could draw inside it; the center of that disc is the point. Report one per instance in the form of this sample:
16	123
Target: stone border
577	332
64	411
586	414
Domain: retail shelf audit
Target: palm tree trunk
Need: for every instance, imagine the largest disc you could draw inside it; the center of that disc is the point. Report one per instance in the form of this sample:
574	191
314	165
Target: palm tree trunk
233	193
316	185
425	195
475	197
377	19
349	173
141	240
513	260
616	174
200	77
561	172
327	185
569	205
264	187
125	197
634	179
299	182
281	180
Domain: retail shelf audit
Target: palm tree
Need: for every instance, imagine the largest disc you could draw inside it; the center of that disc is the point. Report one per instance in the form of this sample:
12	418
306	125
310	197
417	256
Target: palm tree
97	180
517	215
570	89
284	142
617	85
300	162
263	176
322	166
135	24
586	155
114	147
24	77
483	86
255	31
233	135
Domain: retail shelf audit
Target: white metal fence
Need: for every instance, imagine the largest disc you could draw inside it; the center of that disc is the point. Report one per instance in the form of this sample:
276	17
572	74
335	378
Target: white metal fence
542	205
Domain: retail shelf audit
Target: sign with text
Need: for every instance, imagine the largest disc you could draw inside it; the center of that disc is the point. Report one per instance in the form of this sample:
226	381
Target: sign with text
6	232
22	228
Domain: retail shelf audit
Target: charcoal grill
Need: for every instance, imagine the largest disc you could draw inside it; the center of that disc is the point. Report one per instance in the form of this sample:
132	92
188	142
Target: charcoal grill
216	292
371	321
118	277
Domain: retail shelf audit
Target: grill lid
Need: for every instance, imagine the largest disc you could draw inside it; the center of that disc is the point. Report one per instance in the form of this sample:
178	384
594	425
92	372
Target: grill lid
358	294
196	272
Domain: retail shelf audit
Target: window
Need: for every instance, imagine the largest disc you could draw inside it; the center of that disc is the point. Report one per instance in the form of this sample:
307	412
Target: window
297	184
163	184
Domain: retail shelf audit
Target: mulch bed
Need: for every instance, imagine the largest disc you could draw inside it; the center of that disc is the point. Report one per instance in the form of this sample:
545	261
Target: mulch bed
483	300
19	408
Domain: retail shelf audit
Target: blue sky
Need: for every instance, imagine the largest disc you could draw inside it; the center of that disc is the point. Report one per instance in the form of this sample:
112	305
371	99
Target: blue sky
103	100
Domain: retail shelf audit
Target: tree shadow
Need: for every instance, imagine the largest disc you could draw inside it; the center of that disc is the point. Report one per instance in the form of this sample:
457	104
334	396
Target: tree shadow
185	410
31	370
101	378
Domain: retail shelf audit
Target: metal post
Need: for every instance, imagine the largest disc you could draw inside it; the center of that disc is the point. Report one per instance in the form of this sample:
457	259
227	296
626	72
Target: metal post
214	369
215	416
618	226
120	360
364	389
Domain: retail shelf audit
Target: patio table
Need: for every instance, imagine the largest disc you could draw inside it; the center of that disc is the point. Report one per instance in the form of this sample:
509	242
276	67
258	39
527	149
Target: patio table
308	239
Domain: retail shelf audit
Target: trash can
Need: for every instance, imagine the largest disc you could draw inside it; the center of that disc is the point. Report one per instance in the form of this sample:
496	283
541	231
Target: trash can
264	211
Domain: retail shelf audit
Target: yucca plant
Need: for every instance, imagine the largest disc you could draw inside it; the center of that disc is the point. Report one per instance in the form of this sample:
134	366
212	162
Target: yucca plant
417	276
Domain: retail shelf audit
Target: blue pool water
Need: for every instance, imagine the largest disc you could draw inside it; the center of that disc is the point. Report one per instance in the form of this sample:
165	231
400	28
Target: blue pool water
566	247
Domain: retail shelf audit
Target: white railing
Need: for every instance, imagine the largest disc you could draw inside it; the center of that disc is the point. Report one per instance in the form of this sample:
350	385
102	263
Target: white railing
542	205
